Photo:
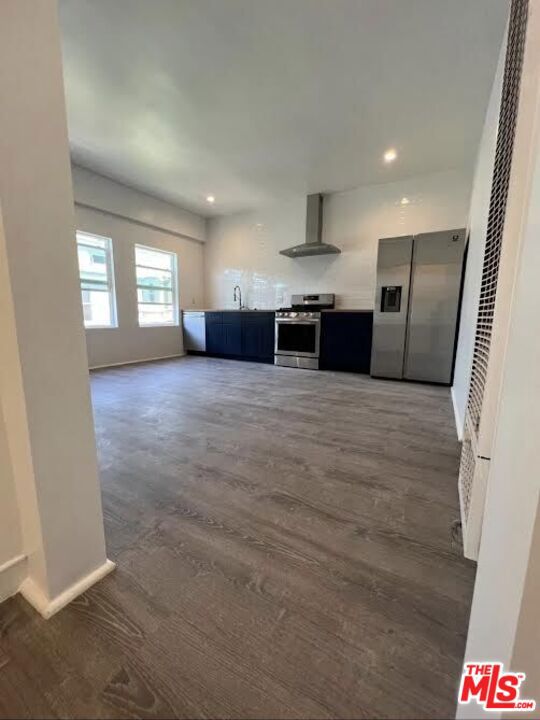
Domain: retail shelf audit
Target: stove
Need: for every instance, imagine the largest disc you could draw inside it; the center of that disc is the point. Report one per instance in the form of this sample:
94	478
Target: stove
298	331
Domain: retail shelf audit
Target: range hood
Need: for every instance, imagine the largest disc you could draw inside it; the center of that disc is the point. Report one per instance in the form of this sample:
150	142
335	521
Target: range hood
313	244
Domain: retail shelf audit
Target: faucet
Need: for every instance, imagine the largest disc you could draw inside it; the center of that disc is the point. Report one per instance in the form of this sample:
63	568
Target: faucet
238	296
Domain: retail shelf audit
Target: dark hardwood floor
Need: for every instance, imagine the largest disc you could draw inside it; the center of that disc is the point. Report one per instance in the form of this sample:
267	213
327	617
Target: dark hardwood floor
284	550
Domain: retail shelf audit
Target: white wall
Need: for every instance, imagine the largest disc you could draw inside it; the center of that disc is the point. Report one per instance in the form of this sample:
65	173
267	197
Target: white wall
526	651
244	248
505	611
505	620
96	191
129	342
11	544
477	224
43	367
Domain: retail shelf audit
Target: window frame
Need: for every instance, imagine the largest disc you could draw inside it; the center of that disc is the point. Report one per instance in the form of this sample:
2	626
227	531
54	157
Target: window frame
109	284
174	286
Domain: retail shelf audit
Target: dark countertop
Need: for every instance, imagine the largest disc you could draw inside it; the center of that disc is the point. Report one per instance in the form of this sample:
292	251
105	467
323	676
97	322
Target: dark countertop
343	310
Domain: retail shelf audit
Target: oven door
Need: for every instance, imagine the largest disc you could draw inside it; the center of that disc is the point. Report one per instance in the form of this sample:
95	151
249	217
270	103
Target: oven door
300	338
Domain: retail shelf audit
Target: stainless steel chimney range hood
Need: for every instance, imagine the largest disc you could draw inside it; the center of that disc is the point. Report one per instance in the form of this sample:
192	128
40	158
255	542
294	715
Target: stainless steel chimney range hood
313	244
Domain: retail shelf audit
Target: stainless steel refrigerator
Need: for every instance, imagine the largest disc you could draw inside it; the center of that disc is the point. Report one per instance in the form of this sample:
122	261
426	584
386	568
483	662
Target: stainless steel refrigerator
416	306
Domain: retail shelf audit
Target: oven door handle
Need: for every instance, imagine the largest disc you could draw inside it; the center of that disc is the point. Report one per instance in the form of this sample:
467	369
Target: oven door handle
297	322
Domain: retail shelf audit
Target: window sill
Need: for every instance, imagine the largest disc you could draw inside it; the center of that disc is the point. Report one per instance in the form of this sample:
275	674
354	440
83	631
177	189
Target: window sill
101	327
158	325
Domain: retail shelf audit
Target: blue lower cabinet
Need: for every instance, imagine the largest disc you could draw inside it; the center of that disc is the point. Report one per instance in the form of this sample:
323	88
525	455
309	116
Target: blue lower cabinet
267	337
214	339
258	336
346	341
242	335
345	338
214	333
213	317
232	334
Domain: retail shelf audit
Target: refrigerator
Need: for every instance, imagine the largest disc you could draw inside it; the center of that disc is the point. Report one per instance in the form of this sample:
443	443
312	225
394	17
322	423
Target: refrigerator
417	299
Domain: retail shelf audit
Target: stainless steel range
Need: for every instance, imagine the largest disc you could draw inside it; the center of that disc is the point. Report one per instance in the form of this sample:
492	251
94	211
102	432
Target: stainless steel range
298	331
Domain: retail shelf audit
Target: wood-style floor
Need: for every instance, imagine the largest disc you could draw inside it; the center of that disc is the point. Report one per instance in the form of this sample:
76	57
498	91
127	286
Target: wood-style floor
284	549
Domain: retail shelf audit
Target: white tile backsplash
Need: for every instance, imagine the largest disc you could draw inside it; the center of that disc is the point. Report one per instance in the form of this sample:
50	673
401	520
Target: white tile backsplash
244	248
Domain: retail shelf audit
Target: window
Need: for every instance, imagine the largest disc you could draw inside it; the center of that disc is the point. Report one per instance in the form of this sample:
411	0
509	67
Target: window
156	286
97	280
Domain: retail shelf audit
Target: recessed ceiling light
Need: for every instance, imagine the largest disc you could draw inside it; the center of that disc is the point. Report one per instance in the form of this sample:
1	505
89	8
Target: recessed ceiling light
390	155
210	198
405	201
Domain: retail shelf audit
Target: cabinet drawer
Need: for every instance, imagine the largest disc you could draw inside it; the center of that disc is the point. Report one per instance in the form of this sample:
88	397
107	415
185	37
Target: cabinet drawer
346	341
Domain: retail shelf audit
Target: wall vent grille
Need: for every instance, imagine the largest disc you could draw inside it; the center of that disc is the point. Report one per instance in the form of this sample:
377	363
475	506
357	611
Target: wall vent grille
473	472
497	205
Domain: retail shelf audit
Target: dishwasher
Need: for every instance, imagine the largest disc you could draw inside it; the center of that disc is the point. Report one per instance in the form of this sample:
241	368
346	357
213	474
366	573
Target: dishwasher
194	331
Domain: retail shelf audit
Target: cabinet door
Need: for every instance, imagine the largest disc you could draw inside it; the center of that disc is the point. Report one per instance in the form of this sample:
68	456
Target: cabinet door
232	334
214	333
213	317
346	341
250	336
258	336
267	335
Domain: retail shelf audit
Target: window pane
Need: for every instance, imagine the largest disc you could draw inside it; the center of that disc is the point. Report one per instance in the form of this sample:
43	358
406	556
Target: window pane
156	286
97	280
153	258
94	285
154	278
96	308
145	295
94	240
156	314
92	263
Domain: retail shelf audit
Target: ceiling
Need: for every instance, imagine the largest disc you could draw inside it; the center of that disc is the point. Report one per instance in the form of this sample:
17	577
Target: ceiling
253	100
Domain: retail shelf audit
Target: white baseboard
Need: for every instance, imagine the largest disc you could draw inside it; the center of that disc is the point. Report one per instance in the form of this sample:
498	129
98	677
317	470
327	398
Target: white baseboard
136	362
12	573
46	607
459	422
